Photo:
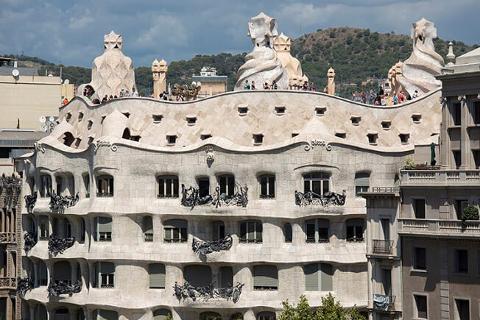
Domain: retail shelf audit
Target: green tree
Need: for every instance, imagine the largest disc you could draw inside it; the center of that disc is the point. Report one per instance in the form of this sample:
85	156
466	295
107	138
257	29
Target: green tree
302	311
330	309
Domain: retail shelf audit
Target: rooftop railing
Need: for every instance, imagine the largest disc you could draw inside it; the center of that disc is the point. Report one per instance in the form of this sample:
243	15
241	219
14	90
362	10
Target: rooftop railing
435	227
440	177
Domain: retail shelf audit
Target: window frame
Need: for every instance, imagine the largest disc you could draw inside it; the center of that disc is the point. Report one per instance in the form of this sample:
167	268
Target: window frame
415	303
416	262
415	208
170	185
255	226
323	178
105	185
175	231
355	223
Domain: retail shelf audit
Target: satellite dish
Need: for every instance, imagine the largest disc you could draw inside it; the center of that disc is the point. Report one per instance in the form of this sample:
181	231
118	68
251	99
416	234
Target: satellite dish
15	73
42	119
66	81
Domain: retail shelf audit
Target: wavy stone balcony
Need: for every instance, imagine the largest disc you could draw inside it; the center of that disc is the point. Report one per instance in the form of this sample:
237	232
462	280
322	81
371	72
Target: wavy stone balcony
435	228
440	178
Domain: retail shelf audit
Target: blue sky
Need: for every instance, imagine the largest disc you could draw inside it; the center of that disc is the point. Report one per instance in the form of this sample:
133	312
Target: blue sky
71	32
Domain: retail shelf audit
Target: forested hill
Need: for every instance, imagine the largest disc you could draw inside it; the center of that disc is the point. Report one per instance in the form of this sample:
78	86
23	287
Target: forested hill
358	56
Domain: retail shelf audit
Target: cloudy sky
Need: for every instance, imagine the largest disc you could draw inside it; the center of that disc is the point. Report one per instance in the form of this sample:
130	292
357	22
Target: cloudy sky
71	32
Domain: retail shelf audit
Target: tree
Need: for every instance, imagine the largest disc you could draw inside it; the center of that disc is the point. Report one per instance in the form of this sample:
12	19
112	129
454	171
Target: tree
330	309
302	311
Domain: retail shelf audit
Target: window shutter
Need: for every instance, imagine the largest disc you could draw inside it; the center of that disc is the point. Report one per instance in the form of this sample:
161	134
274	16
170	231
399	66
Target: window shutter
326	277
147	225
362	179
198	276
311	277
157	275
107	267
104	224
265	276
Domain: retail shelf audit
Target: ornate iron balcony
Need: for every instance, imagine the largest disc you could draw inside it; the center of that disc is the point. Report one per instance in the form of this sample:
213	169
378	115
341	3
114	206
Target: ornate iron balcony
382	302
10	187
185	291
30	201
29	241
382	246
7	237
203	248
24	285
59	203
58	287
191	197
59	245
314	199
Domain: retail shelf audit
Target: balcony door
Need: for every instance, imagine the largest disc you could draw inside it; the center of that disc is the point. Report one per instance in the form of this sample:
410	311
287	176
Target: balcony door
385	229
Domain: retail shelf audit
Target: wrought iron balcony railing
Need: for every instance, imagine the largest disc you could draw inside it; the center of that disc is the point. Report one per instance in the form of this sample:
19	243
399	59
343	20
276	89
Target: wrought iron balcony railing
30	201
191	197
29	241
382	302
58	287
382	247
8	283
59	203
7	237
203	248
59	245
24	285
313	199
187	291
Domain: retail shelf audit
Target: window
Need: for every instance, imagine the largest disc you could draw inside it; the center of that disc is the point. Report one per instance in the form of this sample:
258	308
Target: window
225	275
68	116
191	120
457	158
218	230
105	275
203	186
287	232
162	314
280	110
45	185
156	272
416	118
265	277
266	315
476	112
105	315
147	228
68	139
316	182
355	120
126	114
82	230
89	124
420	259
476	158
103	229
421	306
320	111
419	208
456	114
86	184
171	139
157	118
167	186
251	232
267	186
294	134
242	111
372	138
404	137
318	277
80	116
362	182
205	136
317	230
386	124
257	138
44	228
227	184
342	135
462	307
105	186
461	261
77	142
42	274
209	315
355	229
175	231
198	275
387	281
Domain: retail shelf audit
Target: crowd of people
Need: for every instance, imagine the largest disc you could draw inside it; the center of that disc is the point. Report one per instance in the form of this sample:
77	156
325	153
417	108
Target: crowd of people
380	98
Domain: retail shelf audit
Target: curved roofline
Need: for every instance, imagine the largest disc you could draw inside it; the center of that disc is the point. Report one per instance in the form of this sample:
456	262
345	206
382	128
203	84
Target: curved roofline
293	92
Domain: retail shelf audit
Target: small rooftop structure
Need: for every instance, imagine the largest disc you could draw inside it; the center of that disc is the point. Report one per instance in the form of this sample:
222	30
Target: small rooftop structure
211	83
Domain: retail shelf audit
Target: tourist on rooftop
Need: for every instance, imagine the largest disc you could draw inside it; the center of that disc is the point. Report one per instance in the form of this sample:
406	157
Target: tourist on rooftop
253	85
274	85
266	86
246	86
305	85
415	94
65	101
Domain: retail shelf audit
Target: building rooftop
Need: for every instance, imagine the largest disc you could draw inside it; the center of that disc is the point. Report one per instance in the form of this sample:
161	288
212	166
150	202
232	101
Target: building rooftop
15	138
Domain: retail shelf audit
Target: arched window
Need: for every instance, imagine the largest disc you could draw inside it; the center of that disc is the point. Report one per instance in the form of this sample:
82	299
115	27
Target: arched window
86	184
44	227
104	186
362	182
318	277
317	230
318	183
161	314
251	231
355	229
68	139
266	315
45	185
265	277
156	272
42	273
147	228
198	275
287	232
175	230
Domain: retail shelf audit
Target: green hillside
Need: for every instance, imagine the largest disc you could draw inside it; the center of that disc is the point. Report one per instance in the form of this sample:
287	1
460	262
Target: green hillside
357	55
